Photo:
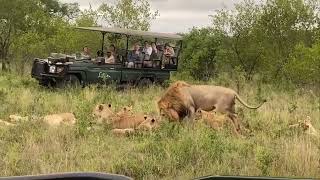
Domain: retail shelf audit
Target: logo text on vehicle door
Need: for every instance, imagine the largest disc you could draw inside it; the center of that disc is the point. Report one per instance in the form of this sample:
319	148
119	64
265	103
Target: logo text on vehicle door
103	76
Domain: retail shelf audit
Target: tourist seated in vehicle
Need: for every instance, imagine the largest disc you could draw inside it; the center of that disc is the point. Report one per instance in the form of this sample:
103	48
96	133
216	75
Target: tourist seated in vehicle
86	53
109	59
114	52
154	56
168	54
134	56
154	48
147	50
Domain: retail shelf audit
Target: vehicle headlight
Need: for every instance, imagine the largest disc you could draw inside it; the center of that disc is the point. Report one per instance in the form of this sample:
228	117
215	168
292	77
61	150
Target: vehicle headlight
60	69
52	69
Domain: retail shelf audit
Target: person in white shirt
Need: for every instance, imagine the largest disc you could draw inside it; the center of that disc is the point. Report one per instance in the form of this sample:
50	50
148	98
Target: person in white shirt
109	59
147	50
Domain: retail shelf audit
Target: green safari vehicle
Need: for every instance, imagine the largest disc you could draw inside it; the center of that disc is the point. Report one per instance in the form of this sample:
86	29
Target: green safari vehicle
64	70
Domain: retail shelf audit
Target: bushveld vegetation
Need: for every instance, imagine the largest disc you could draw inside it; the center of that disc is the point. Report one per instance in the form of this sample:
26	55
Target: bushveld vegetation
173	151
267	50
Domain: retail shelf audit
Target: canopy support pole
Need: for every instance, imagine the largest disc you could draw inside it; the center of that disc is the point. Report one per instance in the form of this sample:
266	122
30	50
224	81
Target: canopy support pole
179	52
102	44
127	48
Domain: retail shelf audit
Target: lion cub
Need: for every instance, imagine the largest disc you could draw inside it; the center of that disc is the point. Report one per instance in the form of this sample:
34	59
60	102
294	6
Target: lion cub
306	126
212	118
5	123
148	124
58	119
102	112
125	118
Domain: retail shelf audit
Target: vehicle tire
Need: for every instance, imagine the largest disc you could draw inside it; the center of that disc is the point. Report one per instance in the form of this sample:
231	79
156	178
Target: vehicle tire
44	83
69	81
144	83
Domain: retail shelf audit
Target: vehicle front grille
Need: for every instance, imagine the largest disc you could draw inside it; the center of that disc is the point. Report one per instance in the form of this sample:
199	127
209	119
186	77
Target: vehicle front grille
39	67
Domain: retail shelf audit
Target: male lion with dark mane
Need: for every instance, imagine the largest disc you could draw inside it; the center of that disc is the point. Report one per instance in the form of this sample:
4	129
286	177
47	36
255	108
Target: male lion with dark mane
183	100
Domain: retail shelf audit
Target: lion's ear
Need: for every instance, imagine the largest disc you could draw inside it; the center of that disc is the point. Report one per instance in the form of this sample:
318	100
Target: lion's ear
125	108
145	117
100	107
109	105
153	120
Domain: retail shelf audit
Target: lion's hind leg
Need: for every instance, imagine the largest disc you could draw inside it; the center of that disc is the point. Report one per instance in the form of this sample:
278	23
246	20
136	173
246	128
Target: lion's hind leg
236	124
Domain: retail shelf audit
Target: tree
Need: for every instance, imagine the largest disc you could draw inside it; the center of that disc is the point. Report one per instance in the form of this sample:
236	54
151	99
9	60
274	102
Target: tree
241	45
303	66
199	53
261	37
11	24
131	14
283	25
18	17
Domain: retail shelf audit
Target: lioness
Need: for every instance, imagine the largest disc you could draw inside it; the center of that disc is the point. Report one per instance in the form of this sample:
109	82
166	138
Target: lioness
182	100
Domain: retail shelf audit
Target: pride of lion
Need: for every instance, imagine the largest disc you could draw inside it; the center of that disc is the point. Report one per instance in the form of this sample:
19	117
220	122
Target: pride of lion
212	105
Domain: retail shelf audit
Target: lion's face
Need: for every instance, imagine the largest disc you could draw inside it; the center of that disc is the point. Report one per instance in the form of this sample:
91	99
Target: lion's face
167	112
102	111
125	110
150	123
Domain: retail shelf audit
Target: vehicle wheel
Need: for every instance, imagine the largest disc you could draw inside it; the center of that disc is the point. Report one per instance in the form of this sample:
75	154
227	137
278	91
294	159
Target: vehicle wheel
44	83
144	83
71	81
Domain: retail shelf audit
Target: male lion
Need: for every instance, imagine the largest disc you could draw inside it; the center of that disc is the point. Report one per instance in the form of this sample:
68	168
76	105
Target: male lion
182	99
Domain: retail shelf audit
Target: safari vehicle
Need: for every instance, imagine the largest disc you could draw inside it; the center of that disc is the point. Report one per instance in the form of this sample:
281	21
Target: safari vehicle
60	71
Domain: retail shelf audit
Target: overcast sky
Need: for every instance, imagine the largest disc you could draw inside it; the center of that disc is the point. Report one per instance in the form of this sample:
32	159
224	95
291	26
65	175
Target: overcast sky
175	15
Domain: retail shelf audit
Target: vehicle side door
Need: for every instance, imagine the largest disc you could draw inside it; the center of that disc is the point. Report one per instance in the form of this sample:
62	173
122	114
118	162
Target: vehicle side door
105	73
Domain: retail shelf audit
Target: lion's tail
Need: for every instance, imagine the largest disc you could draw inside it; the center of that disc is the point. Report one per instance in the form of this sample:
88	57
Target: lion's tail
246	105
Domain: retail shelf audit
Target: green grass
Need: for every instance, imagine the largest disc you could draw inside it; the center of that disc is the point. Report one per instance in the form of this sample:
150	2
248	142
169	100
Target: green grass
173	151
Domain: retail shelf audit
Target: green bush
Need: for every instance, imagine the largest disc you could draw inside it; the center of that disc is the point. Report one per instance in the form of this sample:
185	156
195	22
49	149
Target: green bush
304	65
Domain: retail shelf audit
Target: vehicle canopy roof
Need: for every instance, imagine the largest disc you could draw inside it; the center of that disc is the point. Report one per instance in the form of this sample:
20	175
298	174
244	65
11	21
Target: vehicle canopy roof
131	32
